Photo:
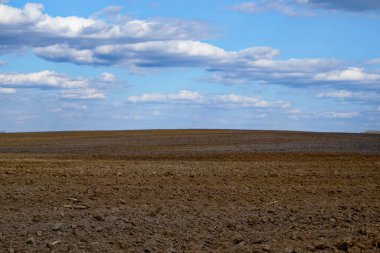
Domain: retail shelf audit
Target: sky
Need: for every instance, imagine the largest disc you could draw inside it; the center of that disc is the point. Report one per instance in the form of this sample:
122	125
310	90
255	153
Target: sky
309	65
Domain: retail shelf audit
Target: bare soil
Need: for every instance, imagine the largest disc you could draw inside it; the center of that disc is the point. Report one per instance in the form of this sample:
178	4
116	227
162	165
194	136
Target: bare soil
189	191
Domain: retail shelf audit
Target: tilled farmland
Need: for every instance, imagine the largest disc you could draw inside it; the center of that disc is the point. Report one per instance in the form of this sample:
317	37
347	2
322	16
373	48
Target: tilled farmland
189	191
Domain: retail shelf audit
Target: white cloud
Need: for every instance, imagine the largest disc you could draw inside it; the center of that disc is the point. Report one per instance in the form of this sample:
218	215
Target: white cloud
335	94
192	97
258	53
70	88
110	12
130	117
140	45
360	97
46	78
85	94
45	29
348	75
64	53
7	90
260	6
76	106
183	95
142	54
167	53
107	77
236	101
339	115
294	111
247	7
244	101
230	66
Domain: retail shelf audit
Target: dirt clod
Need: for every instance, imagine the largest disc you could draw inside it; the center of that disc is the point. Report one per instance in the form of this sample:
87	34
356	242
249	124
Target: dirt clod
266	248
98	217
57	227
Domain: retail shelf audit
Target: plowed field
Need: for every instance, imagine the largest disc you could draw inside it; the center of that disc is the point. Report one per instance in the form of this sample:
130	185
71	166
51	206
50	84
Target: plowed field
189	191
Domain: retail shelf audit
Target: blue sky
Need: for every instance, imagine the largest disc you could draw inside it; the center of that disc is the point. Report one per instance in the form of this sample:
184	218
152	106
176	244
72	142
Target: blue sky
309	65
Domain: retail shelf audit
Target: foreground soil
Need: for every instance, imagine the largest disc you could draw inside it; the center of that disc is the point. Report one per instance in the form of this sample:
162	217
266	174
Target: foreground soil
189	191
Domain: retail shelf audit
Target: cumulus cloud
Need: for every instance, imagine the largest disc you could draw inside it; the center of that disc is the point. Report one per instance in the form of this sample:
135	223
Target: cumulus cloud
141	45
256	64
43	79
70	88
83	94
7	90
64	53
193	97
43	29
348	75
143	54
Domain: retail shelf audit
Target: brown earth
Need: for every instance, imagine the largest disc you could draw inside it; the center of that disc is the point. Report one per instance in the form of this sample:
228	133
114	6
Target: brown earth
189	191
